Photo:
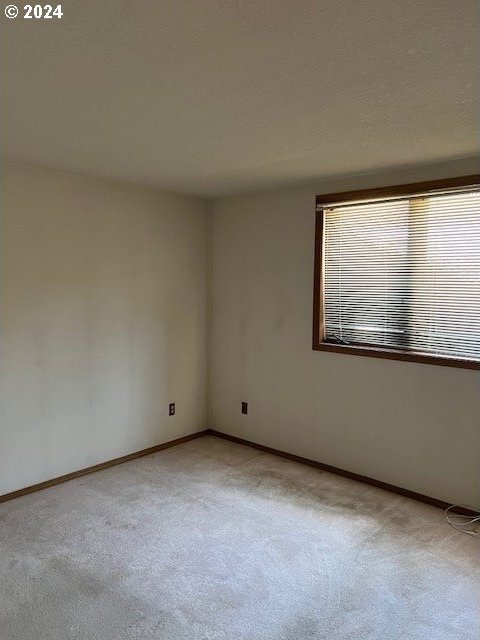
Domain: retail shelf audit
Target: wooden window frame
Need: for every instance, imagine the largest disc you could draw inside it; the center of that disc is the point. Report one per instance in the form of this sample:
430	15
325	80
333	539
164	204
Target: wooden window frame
323	201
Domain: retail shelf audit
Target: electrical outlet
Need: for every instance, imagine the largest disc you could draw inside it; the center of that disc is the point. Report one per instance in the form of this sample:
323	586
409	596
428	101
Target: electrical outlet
245	407
171	409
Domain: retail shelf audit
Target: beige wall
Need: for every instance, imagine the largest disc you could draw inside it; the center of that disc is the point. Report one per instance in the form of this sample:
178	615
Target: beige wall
103	310
413	425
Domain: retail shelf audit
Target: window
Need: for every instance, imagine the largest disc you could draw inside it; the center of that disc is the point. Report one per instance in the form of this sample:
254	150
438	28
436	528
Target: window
397	273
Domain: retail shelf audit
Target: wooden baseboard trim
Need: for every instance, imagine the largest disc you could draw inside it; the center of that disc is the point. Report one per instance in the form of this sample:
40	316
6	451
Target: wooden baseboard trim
100	466
260	447
342	472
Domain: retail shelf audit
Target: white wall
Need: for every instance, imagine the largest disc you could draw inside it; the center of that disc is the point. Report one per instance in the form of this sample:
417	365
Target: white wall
103	322
103	311
413	425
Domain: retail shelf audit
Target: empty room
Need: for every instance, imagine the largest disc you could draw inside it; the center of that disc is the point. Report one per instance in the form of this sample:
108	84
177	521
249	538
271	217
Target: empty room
240	320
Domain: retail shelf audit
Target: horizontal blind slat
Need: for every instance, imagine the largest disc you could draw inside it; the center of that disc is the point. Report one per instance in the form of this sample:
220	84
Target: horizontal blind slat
405	273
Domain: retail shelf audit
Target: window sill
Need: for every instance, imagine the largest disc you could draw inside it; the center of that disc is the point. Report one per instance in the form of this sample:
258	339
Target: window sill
394	354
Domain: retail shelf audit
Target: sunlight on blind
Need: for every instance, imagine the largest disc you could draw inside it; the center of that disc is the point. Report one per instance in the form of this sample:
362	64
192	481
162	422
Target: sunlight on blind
405	274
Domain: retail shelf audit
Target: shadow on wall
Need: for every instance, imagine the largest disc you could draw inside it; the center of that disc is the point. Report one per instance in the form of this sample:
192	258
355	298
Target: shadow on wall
103	315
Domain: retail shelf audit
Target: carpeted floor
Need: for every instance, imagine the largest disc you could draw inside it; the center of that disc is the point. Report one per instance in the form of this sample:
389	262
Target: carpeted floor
213	540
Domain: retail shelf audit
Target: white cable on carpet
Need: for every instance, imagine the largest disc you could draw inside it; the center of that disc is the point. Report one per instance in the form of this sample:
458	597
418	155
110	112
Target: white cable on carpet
467	524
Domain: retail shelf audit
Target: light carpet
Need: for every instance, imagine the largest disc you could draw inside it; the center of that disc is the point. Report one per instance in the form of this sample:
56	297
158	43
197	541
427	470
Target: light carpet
214	540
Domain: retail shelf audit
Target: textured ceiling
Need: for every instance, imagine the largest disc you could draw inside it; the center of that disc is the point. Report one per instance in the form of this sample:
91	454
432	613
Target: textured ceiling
220	96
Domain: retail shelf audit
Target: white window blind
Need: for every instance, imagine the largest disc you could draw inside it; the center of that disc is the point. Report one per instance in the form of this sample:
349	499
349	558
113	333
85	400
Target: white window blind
404	274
